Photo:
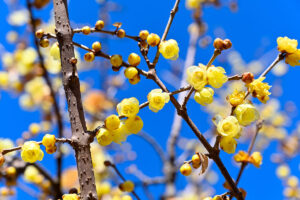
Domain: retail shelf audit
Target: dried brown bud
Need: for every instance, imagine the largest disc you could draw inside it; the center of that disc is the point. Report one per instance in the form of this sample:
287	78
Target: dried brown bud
117	24
73	61
247	77
219	43
121	33
73	191
227	44
116	69
107	163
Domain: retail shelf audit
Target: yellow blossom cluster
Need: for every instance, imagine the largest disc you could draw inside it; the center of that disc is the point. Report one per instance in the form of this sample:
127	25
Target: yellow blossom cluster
289	46
117	130
259	89
200	76
230	127
255	158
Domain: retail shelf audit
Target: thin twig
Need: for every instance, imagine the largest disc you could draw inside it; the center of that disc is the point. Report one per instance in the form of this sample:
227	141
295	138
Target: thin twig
110	164
58	140
106	56
93	30
164	36
250	148
55	101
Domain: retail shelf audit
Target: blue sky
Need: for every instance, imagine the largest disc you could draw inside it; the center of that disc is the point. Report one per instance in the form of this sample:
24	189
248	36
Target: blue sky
253	30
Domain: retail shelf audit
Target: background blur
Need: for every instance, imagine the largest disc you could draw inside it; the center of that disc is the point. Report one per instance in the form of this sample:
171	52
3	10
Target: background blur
253	30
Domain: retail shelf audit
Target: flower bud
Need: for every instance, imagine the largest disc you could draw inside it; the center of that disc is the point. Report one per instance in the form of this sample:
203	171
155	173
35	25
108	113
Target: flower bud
186	169
99	25
121	33
39	33
247	77
143	34
86	30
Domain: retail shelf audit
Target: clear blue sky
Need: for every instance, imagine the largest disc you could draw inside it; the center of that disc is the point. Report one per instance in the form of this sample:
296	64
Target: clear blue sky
253	31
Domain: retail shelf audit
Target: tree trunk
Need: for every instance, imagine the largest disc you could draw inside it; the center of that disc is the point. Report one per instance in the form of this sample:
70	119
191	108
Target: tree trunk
81	139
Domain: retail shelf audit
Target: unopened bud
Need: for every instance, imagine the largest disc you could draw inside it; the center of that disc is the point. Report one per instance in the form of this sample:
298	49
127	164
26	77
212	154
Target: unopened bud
247	77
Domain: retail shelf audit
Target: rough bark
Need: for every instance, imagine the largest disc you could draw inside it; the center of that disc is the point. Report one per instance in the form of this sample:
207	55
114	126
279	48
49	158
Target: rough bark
81	139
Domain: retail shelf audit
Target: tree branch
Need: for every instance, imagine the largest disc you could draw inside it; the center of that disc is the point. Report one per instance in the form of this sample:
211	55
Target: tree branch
81	139
55	101
164	36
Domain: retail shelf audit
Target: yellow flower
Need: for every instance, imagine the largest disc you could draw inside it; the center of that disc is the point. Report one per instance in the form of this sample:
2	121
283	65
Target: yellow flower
259	89
103	188
169	49
104	137
112	122
228	144
286	45
120	135
127	186
31	152
157	99
193	4
6	143
54	51
30	174
246	114
241	156
134	124
256	159
216	76
229	127
196	76
293	58
4	79
204	96
70	197
49	140
283	171
128	107
236	98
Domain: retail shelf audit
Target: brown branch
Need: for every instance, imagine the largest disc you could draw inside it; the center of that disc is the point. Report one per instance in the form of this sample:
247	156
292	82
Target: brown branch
55	101
81	139
93	30
170	167
234	78
280	57
58	140
106	56
110	164
164	36
143	105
